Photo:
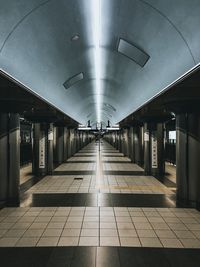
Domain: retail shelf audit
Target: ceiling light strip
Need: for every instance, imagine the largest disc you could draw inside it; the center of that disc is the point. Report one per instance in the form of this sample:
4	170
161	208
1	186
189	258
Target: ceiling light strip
96	11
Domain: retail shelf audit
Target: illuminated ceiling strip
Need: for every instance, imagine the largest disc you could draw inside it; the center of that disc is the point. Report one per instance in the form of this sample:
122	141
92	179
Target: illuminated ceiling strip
96	11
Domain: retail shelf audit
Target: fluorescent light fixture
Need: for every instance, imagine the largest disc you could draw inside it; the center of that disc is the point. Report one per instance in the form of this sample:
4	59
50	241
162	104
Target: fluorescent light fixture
133	52
96	21
84	128
72	80
113	129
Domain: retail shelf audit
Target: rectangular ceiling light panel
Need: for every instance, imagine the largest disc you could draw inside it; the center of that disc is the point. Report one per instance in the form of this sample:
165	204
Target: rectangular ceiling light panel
72	80
133	52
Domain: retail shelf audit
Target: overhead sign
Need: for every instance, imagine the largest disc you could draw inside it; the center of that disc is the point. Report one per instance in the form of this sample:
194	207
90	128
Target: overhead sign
42	151
50	135
146	136
154	149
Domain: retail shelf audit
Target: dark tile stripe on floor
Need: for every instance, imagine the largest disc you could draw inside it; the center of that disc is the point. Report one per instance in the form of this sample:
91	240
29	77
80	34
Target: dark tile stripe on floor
99	257
120	162
87	156
103	200
73	172
83	161
28	184
129	173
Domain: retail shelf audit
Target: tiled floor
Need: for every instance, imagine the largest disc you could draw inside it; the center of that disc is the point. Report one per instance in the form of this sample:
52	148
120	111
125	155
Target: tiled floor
99	210
102	183
100	226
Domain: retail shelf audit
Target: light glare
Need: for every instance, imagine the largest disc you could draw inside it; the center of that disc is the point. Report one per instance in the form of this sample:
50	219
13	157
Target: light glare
96	11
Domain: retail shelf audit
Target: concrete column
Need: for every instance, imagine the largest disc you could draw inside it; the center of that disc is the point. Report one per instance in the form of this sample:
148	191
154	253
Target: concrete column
69	144
9	158
131	144
138	139
4	152
65	144
187	158
59	146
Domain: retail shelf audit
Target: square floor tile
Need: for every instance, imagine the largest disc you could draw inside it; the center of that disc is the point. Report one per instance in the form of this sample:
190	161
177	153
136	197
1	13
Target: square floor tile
73	225
142	226
108	232
74	219
123	219
47	241
109	241
107	219
8	241
136	213
42	219
68	241
171	243
124	225
127	233
58	219
130	242
146	233
184	234
150	242
2	232
27	242
52	232
177	226
14	233
33	233
56	225
156	220
91	225
91	219
196	233
121	213
139	219
192	226
165	234
159	226
71	232
190	243
89	241
12	219
172	220
39	225
108	225
89	232
22	225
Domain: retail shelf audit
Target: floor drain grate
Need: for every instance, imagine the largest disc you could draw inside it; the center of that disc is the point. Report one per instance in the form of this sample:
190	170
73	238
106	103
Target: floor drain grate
78	178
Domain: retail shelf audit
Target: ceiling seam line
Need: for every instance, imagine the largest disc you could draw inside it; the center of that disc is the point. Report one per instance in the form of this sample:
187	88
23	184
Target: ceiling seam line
20	21
173	25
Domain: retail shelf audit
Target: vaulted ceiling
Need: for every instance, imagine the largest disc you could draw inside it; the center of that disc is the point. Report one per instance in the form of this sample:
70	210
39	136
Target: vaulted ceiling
45	43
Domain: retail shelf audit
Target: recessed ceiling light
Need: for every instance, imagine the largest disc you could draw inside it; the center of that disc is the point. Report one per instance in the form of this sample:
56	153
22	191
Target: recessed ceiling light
132	52
72	80
75	37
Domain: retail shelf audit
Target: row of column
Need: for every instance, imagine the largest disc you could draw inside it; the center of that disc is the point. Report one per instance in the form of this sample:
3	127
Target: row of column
52	145
145	145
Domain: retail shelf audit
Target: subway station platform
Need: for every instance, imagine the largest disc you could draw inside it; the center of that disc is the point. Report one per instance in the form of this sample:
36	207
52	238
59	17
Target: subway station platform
99	209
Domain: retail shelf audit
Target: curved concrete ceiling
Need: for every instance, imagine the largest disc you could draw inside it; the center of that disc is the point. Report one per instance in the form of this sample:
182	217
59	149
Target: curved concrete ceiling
36	48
